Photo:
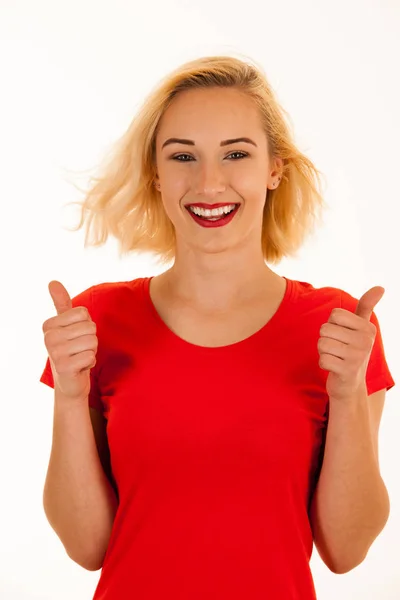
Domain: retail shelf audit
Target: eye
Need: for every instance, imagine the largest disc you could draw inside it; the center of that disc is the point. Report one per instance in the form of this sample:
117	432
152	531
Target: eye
242	155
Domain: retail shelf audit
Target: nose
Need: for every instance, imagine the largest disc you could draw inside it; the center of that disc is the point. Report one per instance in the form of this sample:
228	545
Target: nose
209	181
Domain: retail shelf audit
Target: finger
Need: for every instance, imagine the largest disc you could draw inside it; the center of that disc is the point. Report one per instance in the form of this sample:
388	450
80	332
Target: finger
61	298
75	315
76	346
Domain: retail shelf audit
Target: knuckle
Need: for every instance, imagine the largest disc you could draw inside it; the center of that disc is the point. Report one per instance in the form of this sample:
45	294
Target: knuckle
62	367
56	335
48	338
84	312
81	312
49	324
56	355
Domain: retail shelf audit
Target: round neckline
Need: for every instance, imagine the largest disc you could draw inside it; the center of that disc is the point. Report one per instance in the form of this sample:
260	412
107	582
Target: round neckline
267	328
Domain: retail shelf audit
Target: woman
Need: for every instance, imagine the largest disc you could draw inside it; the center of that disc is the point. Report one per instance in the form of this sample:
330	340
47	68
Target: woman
194	474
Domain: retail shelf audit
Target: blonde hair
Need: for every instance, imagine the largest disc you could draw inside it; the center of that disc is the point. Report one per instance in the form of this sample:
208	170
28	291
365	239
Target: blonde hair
123	202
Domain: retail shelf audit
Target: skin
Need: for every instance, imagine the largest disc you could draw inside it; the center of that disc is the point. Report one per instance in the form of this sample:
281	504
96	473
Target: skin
215	268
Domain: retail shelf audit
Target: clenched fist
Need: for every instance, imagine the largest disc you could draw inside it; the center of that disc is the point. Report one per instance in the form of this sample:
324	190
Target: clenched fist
71	342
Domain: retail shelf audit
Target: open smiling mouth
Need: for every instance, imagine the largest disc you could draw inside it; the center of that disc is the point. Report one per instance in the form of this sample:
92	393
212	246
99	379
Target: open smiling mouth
214	220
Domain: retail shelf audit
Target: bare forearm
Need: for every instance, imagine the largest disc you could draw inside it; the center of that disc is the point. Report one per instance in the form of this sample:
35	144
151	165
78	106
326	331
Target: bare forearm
78	499
350	505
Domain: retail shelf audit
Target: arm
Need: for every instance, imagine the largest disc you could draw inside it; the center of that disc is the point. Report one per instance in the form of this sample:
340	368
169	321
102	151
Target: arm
78	499
350	506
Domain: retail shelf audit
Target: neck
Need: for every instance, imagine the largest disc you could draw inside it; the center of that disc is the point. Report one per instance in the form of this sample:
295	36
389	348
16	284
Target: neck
214	290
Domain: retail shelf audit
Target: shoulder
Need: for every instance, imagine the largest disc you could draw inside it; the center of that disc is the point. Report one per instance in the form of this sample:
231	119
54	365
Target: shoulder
328	293
107	294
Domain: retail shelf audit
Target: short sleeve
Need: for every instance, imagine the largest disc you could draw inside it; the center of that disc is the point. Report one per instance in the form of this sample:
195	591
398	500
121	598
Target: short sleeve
378	375
85	298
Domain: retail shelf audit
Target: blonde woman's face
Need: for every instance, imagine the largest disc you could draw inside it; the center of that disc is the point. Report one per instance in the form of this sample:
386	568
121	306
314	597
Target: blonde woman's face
204	168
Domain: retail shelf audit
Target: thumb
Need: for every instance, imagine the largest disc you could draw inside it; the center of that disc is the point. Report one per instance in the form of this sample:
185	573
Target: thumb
61	298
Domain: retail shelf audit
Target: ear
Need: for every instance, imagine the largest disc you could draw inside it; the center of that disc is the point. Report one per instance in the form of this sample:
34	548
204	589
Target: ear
276	172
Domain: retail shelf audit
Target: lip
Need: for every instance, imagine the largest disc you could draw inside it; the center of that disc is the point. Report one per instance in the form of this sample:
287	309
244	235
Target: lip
219	223
210	206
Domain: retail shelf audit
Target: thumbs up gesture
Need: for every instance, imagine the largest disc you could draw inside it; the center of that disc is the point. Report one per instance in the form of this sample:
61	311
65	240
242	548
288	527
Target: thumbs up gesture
71	342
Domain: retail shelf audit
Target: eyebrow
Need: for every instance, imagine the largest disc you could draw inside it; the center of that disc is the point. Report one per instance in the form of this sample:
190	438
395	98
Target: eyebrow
223	143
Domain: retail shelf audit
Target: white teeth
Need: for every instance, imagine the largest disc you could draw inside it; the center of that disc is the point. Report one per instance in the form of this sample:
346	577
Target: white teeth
215	212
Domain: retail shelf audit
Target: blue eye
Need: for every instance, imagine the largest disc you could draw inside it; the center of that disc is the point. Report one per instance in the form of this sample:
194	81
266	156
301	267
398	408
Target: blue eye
242	155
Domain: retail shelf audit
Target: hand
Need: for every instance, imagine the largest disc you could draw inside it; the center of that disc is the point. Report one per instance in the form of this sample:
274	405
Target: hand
345	346
71	342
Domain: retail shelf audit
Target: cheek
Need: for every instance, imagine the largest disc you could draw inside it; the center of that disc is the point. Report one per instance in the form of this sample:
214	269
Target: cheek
173	202
175	185
250	181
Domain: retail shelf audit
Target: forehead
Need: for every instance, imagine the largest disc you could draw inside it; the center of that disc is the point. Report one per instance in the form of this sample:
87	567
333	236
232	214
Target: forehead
211	107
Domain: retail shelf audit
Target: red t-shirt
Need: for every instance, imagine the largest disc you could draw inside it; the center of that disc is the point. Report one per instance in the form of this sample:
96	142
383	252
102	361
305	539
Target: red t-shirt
215	451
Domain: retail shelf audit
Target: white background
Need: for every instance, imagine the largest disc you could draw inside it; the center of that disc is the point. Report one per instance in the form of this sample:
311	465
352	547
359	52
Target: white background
72	76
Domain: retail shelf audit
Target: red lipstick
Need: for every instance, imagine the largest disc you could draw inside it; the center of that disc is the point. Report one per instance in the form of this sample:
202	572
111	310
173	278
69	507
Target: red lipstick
210	206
